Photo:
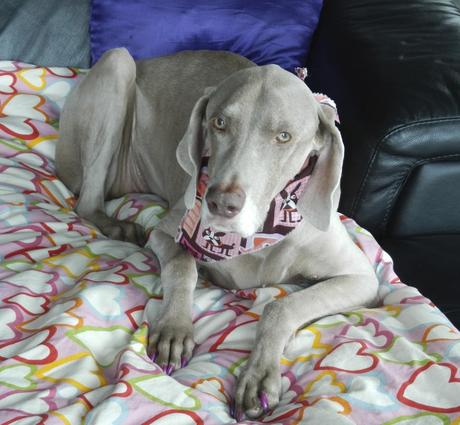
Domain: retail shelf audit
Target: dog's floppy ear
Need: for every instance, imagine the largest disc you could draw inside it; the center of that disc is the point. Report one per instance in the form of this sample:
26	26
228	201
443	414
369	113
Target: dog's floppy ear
191	146
321	195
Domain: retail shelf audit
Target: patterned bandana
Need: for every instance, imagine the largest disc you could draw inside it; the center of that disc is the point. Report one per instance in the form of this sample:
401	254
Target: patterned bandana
209	245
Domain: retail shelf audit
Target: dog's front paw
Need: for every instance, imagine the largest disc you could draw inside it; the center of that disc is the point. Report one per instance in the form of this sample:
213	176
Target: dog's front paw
258	388
171	344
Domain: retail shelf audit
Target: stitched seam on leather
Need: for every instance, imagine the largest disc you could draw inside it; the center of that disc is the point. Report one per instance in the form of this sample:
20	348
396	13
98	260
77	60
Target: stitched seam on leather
392	132
395	190
399	184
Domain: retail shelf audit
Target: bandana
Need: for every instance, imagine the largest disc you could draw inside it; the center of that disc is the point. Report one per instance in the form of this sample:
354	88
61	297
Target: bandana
209	245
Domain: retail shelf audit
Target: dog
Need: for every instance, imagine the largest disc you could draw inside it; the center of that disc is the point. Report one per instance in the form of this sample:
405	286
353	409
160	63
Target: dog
146	126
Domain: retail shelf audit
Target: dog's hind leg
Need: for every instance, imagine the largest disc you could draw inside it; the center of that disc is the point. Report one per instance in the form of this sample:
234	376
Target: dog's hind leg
96	119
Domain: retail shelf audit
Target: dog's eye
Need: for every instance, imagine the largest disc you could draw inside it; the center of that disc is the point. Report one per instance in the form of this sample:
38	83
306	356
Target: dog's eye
283	137
219	123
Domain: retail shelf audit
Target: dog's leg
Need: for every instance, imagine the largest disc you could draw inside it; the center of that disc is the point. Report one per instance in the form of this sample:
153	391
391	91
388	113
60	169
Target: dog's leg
260	382
171	333
96	115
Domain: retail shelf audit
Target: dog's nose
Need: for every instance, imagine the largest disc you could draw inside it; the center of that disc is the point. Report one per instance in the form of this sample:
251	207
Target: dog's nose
226	203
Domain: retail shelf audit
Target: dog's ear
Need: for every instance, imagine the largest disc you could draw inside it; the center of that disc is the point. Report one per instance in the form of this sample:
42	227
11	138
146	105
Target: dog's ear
321	195
190	148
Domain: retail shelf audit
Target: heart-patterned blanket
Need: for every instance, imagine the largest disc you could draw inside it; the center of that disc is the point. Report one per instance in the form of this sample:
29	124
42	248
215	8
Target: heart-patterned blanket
73	331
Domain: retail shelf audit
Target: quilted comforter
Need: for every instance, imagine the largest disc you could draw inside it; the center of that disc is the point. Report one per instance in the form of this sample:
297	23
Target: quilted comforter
73	305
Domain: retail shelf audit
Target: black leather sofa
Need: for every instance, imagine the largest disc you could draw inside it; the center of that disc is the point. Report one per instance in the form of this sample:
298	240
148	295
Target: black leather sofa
393	67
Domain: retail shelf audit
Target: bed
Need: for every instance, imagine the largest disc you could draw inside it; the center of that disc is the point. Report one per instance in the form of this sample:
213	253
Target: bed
73	332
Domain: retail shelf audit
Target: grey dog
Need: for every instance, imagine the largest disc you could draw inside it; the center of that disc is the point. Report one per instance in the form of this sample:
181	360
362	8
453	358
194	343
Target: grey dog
141	127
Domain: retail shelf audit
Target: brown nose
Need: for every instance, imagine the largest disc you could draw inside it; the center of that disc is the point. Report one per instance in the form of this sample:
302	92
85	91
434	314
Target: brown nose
226	203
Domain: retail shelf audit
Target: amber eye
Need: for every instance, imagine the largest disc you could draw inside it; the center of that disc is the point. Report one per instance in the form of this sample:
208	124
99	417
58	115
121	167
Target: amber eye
219	123
283	137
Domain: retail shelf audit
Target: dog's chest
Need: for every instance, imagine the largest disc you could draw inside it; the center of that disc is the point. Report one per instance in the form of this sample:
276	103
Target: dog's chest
269	266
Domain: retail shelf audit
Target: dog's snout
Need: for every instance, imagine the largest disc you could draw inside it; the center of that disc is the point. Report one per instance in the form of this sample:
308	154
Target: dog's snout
226	203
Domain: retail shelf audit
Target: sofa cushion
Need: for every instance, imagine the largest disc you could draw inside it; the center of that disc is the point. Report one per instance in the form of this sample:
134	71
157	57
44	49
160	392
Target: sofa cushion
264	31
430	263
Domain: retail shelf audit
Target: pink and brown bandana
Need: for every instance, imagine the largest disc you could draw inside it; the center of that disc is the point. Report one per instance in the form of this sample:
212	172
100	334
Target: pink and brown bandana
208	245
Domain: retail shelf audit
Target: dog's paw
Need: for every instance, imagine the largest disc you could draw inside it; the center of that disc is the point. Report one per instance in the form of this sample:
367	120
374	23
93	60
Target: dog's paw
258	388
171	345
125	231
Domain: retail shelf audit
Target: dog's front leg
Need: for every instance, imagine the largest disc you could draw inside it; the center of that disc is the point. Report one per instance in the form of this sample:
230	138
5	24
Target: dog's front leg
259	385
171	333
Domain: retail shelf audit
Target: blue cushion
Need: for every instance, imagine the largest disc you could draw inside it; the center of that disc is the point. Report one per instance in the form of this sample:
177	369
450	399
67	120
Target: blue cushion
265	31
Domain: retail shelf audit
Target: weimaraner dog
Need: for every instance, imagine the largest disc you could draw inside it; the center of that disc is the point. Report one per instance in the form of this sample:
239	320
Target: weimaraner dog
143	127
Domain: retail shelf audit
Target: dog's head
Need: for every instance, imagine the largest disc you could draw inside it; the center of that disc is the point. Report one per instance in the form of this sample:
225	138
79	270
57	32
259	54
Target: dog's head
260	125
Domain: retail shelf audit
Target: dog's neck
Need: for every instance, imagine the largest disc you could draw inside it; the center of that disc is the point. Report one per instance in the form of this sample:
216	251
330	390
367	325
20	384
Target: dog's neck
208	245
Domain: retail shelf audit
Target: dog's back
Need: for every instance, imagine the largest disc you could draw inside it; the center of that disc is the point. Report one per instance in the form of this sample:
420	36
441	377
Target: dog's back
153	118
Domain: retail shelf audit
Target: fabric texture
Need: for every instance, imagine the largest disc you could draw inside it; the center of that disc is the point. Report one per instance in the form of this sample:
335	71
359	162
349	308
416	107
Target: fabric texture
45	32
265	31
74	308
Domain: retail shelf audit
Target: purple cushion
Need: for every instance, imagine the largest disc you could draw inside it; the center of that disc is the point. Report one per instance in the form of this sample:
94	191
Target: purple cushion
265	31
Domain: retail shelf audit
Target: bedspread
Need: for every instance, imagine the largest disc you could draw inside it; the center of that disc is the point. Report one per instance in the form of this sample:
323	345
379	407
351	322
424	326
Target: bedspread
73	307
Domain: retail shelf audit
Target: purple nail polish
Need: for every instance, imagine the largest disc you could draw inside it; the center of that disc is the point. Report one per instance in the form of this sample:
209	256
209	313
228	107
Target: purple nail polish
232	410
169	369
154	357
183	362
264	401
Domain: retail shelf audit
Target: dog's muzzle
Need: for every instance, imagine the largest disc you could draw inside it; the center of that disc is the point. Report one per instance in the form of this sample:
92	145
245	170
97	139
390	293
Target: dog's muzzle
225	203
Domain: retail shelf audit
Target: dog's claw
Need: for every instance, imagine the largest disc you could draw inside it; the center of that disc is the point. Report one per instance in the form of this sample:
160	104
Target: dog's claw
258	387
183	361
263	398
169	369
154	357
